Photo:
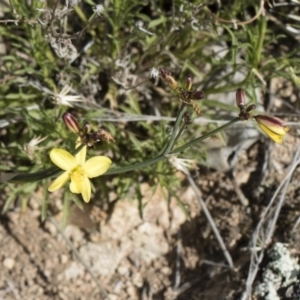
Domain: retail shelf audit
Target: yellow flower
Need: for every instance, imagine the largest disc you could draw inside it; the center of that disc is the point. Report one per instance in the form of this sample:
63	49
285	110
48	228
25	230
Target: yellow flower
77	170
273	127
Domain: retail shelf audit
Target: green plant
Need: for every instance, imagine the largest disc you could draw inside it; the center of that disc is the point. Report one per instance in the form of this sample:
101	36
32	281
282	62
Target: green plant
96	61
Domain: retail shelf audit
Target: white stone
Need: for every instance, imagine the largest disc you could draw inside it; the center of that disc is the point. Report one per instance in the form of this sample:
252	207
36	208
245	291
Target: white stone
9	263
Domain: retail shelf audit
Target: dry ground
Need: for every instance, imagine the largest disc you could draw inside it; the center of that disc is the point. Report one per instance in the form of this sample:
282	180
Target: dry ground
164	256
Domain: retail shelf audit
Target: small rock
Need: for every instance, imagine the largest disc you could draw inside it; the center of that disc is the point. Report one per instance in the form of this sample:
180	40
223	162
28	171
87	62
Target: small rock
64	258
9	263
75	270
123	270
112	297
137	279
50	227
131	291
166	271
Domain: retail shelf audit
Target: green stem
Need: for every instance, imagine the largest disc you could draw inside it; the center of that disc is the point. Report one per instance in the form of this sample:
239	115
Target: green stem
260	43
158	158
55	170
175	130
179	133
143	164
205	136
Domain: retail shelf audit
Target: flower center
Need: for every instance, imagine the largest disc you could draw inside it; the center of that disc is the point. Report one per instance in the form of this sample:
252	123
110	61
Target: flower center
77	174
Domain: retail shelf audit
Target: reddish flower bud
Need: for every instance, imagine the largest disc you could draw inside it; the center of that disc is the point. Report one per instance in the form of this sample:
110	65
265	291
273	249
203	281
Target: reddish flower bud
250	107
71	122
188	82
240	98
197	95
86	127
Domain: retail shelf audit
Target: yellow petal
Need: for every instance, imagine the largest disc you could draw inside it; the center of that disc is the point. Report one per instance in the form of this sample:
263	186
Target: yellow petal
78	142
77	180
63	159
96	166
277	130
59	182
80	156
74	188
86	190
276	137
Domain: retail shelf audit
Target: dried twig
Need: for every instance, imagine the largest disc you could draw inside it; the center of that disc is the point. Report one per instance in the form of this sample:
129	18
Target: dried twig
210	220
178	252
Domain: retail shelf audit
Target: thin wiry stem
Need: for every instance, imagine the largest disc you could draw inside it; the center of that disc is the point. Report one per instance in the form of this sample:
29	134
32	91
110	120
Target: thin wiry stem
210	220
175	130
205	136
178	257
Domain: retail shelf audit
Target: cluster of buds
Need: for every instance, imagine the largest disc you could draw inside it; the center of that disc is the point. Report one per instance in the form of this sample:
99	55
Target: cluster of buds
273	127
240	102
186	94
85	134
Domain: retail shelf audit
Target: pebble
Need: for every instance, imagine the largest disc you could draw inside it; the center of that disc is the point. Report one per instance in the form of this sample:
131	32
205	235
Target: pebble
9	263
64	258
51	228
137	279
112	297
123	270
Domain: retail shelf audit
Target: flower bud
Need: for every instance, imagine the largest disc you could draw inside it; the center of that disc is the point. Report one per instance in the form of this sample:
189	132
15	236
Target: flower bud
169	78
197	95
240	98
86	128
188	82
250	107
273	127
71	122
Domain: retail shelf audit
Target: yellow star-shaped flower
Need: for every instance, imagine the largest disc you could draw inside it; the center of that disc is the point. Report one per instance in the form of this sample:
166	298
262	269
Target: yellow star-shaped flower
77	170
